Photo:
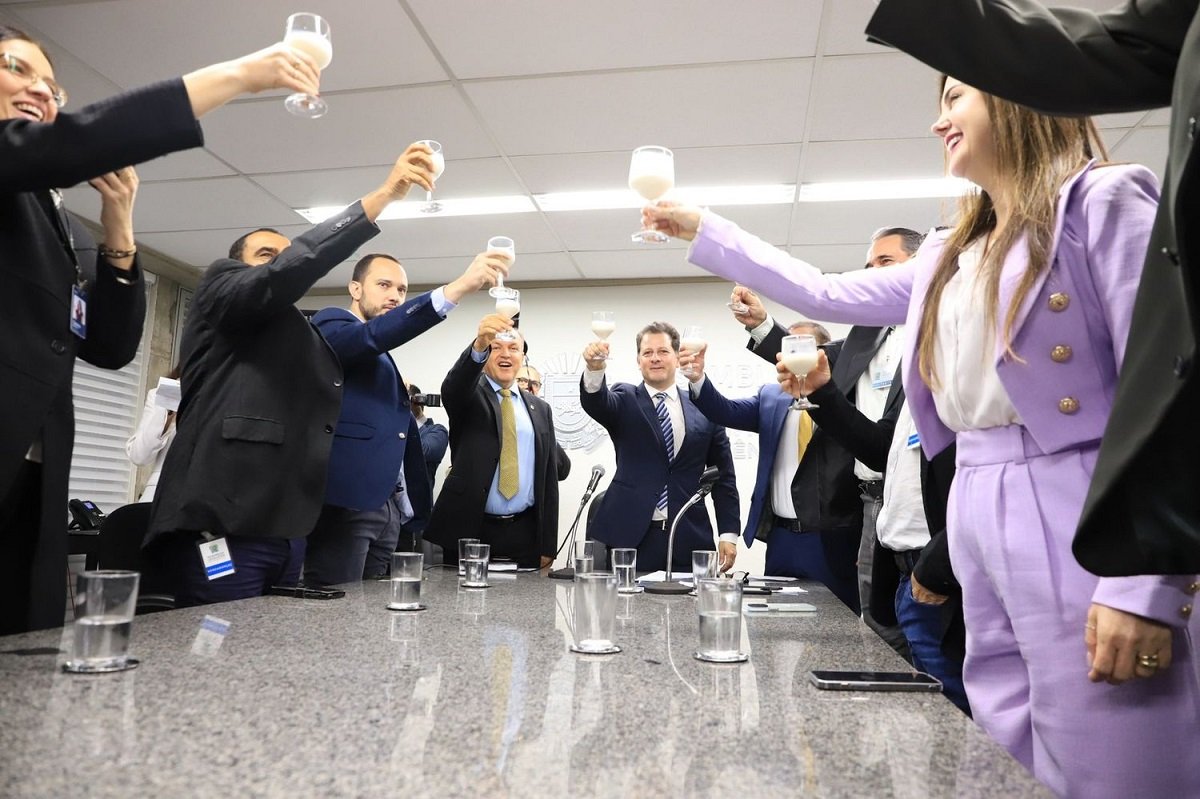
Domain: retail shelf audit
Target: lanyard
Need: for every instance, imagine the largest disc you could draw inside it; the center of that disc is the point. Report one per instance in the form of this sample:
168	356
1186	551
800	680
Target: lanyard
66	237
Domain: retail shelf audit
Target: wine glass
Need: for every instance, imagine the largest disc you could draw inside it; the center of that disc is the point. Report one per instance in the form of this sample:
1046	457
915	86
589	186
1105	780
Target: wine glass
603	325
439	166
309	34
651	174
800	357
508	303
502	245
693	341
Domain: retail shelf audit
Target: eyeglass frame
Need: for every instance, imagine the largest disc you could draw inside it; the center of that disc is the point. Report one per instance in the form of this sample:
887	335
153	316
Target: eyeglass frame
15	65
529	384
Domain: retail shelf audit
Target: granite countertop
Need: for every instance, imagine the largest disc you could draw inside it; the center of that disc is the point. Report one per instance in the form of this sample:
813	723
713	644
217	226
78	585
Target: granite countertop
479	696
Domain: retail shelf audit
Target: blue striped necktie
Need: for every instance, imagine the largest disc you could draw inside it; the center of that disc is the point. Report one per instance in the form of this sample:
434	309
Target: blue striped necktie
664	423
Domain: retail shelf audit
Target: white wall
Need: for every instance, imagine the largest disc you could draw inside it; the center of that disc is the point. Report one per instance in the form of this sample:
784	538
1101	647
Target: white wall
556	322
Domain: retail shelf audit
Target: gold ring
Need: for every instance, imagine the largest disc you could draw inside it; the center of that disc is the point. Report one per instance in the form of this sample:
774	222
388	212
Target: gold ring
1089	626
1148	661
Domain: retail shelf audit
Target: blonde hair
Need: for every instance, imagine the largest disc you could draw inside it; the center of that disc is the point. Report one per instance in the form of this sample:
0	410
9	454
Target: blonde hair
1035	154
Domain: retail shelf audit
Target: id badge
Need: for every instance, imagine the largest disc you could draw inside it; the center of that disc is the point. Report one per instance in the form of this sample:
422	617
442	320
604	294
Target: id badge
882	379
217	562
78	311
914	441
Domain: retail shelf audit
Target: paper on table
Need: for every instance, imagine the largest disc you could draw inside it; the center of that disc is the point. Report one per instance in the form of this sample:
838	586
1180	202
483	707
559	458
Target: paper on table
660	576
168	394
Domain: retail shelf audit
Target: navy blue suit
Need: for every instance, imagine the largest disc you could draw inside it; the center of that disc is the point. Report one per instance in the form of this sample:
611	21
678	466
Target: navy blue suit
828	555
622	520
370	443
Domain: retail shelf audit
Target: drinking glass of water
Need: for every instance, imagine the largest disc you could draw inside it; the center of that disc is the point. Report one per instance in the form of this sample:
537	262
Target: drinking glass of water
308	34
407	570
595	613
704	565
104	605
624	561
584	557
720	605
475	566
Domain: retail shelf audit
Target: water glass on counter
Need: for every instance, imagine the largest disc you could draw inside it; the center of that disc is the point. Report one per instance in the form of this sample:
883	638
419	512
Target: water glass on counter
407	570
105	602
475	565
720	604
594	609
704	565
583	559
624	563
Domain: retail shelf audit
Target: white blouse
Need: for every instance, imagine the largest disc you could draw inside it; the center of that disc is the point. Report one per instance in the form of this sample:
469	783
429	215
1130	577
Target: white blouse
971	396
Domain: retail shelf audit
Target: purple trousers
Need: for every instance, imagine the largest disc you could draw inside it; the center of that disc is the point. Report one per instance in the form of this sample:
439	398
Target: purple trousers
1012	516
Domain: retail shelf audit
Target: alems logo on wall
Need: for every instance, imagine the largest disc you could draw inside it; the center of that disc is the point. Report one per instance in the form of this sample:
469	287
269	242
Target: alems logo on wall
573	428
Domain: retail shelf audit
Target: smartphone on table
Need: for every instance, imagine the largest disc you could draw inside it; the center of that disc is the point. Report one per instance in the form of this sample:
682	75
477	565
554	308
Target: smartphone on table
874	681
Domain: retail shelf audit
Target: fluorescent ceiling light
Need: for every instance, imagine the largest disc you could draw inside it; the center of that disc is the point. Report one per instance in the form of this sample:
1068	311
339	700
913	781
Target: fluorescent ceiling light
411	209
615	199
883	190
610	199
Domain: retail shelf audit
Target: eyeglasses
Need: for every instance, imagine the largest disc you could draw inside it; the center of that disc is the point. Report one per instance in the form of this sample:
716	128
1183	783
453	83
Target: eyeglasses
21	68
532	385
741	577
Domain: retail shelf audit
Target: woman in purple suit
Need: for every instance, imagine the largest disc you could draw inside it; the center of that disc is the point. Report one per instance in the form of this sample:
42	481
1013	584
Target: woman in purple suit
1017	321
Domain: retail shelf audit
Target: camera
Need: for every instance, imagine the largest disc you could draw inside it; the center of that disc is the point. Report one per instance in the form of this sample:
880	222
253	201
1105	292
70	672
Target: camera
427	400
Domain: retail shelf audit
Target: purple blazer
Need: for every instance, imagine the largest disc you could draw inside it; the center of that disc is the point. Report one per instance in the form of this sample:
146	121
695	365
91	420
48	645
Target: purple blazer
1082	302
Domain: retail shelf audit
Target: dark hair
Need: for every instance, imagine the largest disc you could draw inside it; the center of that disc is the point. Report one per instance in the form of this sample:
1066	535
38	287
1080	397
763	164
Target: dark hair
910	240
818	330
238	247
8	32
364	263
659	327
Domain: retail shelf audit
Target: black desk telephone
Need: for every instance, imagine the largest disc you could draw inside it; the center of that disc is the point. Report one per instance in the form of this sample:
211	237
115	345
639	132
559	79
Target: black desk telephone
85	515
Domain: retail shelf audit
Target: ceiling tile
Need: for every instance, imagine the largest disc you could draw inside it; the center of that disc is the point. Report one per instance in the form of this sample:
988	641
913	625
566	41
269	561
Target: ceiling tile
636	264
1147	146
621	111
854	222
463	236
873	159
374	44
881	96
845	26
493	39
200	248
361	129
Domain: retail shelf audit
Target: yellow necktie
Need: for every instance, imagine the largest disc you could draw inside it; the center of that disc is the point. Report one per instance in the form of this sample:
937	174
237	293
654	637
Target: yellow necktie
804	433
509	473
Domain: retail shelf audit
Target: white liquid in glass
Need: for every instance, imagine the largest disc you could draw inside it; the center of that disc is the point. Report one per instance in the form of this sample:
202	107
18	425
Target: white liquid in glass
651	186
439	164
312	44
652	173
603	329
508	308
800	364
692	344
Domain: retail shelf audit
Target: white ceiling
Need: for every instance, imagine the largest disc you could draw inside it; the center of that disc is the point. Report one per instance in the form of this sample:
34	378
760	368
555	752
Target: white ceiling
529	96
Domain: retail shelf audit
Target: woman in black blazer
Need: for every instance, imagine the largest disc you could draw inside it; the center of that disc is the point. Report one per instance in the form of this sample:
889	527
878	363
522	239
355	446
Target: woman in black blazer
61	295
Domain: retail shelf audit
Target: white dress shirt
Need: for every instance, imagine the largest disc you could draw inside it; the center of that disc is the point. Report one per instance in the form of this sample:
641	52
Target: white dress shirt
901	525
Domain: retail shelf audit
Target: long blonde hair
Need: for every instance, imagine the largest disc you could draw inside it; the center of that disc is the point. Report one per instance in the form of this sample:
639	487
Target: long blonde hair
1035	155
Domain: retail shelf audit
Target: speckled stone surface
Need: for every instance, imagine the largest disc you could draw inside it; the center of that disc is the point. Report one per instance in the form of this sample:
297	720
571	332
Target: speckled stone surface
479	696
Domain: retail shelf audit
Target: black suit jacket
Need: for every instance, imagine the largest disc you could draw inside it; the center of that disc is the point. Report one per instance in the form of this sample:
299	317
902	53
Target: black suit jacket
474	411
261	394
825	490
1142	514
870	443
38	350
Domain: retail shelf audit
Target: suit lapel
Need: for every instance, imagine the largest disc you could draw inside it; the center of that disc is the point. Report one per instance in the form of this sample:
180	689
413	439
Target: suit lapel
858	350
648	410
493	401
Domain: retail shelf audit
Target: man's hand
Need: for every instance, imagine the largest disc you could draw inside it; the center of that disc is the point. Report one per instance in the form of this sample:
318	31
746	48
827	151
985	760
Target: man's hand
678	221
805	384
924	596
485	270
1117	641
489	327
726	554
755	313
595	355
118	190
415	165
695	360
547	562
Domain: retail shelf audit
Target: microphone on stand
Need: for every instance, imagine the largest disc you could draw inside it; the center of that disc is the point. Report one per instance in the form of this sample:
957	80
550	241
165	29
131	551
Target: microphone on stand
568	572
667	586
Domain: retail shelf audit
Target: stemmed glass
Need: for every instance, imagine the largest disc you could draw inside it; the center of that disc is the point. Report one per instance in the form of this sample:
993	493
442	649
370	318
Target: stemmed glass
693	341
799	355
308	34
651	174
439	166
603	325
508	301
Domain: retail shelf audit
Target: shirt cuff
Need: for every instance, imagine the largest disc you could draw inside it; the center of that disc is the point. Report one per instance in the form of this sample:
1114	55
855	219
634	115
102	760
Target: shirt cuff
759	333
694	390
479	357
592	380
441	305
728	538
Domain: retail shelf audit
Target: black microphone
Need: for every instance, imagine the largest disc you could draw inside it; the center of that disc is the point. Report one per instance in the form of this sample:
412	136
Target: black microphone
707	479
597	473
